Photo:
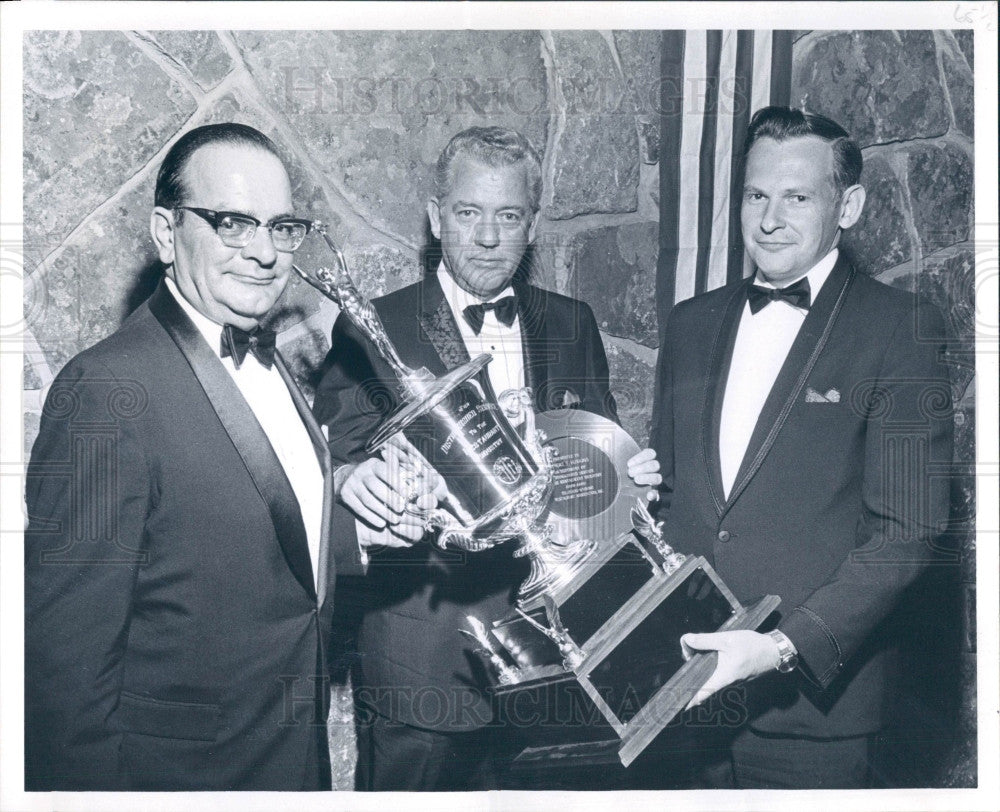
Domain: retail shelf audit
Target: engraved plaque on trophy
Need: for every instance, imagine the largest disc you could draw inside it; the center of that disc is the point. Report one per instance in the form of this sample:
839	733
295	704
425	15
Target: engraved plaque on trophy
461	431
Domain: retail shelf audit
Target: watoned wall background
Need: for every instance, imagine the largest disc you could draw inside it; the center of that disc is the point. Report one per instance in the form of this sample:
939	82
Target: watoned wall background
361	117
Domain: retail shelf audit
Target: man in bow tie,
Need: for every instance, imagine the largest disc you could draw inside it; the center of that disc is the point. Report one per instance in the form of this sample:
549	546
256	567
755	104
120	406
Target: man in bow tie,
418	686
178	578
799	418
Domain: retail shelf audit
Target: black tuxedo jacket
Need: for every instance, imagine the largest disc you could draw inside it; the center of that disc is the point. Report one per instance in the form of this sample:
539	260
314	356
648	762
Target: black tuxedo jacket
841	493
415	666
174	638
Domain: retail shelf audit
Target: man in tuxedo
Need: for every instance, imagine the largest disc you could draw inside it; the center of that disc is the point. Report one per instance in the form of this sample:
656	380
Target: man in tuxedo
799	419
418	682
178	580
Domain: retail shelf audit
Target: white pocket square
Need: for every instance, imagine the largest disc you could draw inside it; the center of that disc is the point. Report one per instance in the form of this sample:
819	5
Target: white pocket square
830	396
570	399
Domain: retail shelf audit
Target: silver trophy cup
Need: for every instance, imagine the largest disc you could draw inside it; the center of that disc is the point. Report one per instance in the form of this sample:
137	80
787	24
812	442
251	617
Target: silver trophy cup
498	481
